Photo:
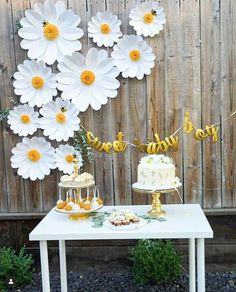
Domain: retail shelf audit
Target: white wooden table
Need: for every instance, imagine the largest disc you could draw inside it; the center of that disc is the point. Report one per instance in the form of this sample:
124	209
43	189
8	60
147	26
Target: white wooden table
183	221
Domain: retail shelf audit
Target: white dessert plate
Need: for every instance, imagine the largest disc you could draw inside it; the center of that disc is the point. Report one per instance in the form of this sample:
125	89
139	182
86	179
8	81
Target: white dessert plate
154	188
131	226
77	212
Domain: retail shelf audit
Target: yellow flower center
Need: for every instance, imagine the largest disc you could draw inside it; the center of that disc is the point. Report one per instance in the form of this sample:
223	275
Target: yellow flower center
69	158
134	55
34	155
87	77
148	17
25	119
51	32
60	118
37	82
105	28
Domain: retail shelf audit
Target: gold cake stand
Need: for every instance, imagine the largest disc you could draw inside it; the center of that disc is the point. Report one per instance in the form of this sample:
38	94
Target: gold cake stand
156	210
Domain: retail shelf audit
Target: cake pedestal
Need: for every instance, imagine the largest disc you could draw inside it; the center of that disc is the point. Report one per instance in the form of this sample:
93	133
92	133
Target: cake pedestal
156	210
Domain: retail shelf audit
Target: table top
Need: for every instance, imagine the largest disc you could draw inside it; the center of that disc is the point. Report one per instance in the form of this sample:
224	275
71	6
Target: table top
182	221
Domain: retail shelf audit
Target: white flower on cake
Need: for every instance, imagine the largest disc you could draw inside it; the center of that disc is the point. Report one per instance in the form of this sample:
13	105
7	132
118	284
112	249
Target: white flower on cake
177	181
104	28
33	157
50	31
88	80
133	57
147	19
23	120
156	159
35	83
59	120
64	156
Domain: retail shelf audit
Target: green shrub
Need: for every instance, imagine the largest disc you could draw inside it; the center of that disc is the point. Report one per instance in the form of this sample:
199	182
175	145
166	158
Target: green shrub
18	266
155	261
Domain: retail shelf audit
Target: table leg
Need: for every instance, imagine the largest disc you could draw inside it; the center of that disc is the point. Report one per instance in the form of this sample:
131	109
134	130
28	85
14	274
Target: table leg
44	265
63	273
200	265
192	283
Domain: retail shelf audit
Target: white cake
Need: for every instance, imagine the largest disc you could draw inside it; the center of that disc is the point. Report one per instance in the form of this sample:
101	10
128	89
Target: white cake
157	171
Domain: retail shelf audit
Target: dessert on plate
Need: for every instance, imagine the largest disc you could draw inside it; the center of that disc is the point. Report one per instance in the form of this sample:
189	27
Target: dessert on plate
123	217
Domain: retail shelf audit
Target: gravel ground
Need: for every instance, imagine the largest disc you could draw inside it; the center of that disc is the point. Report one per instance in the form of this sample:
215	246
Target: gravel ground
120	282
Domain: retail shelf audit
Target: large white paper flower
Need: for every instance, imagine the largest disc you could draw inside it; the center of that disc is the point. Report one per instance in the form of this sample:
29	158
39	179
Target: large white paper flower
59	119
88	80
147	18
64	156
133	57
104	28
33	157
50	31
23	120
35	83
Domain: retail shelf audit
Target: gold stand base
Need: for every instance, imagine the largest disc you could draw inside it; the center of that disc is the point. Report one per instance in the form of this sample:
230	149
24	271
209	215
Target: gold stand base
78	216
156	206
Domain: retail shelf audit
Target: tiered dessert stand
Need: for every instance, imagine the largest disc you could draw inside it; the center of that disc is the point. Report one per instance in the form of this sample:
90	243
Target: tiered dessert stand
76	189
156	210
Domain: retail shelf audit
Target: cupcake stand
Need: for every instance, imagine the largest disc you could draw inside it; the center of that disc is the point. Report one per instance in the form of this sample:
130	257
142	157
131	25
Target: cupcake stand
156	210
74	194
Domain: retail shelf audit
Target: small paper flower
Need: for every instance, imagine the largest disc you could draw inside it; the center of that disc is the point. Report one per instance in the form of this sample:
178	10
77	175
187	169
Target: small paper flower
64	156
60	119
133	57
147	19
88	80
23	120
35	83
50	31
104	28
33	157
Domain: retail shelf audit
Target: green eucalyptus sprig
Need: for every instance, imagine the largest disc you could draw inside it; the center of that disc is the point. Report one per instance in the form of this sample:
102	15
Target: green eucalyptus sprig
79	141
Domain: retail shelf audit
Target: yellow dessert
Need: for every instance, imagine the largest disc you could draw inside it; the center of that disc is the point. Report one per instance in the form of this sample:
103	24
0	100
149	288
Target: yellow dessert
68	208
87	206
60	205
100	201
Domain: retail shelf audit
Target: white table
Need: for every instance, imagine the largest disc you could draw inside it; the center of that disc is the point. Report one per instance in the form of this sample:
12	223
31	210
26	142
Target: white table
183	221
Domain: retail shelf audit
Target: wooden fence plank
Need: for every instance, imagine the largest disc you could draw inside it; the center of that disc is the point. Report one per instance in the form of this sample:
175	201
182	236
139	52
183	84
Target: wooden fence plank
156	92
211	103
120	122
14	183
228	99
173	84
191	83
101	125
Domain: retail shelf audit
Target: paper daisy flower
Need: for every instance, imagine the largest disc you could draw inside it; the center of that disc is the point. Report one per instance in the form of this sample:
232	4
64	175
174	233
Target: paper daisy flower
35	83
133	57
33	157
147	19
104	28
64	156
88	80
50	31
23	120
59	119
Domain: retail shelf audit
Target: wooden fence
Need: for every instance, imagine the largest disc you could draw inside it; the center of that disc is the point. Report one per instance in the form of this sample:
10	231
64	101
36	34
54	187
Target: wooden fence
195	71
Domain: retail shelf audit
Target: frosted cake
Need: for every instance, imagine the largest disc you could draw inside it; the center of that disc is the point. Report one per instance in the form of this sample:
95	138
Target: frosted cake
157	171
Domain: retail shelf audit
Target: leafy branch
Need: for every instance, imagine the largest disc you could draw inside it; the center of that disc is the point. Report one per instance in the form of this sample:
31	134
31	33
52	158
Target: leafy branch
79	141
